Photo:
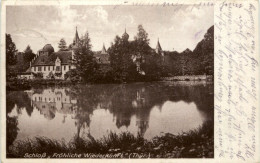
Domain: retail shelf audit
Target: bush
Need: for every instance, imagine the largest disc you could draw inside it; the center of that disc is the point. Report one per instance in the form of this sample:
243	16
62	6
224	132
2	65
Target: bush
196	143
72	75
38	75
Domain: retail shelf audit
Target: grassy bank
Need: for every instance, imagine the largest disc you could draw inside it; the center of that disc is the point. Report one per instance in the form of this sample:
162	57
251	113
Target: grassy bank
15	85
196	143
19	84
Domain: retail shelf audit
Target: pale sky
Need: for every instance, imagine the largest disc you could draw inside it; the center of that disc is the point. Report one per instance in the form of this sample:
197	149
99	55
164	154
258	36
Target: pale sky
177	28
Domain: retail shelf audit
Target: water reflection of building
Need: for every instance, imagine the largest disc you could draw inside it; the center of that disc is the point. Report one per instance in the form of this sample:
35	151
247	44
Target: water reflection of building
49	101
142	114
128	102
124	102
142	122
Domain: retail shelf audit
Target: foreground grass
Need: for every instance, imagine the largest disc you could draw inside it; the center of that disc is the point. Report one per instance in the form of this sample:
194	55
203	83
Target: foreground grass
197	143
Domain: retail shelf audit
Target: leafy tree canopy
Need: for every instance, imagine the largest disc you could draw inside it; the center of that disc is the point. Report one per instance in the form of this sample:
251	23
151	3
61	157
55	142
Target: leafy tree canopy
62	45
10	50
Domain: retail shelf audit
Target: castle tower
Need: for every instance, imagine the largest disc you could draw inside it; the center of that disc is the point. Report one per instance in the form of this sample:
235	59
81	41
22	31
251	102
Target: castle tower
158	47
104	51
76	39
125	36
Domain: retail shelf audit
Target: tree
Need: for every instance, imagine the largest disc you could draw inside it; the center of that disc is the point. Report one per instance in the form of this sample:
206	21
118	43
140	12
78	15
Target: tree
142	35
10	50
28	54
72	75
84	59
62	45
120	53
151	61
11	130
142	42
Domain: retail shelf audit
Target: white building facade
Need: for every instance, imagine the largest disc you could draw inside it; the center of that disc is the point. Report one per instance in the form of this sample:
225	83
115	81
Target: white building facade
52	65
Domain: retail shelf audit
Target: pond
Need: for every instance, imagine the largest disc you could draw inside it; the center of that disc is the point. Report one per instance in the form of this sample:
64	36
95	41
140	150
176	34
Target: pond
148	109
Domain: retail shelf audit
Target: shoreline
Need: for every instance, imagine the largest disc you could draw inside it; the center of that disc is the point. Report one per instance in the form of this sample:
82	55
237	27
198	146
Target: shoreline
20	84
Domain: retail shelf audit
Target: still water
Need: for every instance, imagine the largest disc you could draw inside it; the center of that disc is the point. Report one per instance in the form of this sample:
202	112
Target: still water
148	109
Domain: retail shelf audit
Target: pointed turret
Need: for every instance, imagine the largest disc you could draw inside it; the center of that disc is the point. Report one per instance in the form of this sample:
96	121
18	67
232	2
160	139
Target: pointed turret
125	36
76	38
158	47
104	51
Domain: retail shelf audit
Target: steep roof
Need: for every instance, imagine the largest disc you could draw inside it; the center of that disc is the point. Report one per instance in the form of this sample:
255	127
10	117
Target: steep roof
103	51
64	56
158	46
76	38
102	58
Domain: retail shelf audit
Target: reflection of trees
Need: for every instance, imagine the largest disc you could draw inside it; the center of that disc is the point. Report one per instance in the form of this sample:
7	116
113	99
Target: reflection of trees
21	99
82	121
124	101
11	130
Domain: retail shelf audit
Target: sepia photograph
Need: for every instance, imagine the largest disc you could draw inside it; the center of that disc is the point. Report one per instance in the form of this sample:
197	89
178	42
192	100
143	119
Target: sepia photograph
105	81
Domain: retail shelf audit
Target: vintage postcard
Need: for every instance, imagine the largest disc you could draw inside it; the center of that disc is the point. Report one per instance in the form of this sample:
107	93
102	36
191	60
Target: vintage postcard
136	81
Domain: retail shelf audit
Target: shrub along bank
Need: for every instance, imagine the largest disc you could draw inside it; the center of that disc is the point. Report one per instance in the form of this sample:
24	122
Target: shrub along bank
198	143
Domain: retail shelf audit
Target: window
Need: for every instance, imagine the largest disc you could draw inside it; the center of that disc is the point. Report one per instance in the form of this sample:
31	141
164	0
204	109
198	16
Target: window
39	68
69	67
34	68
53	67
57	68
44	68
65	67
49	67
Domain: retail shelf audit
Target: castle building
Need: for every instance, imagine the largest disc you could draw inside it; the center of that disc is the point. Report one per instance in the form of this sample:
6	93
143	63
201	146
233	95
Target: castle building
102	57
52	65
